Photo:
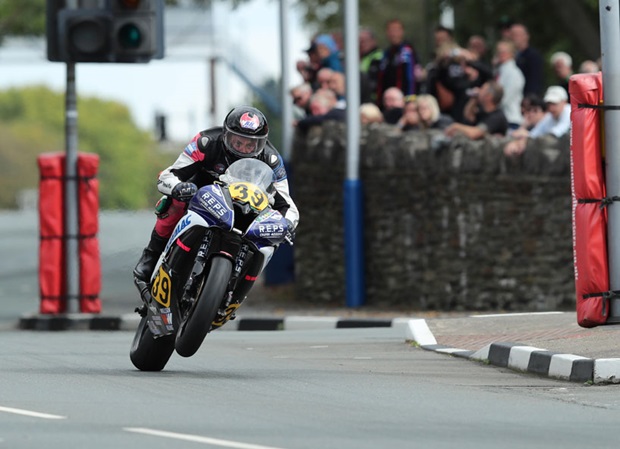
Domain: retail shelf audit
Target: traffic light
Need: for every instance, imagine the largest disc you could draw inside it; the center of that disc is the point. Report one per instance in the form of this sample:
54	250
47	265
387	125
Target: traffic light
120	31
137	30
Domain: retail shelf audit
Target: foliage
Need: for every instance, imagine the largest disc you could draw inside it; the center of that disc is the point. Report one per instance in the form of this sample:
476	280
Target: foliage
22	17
32	122
568	25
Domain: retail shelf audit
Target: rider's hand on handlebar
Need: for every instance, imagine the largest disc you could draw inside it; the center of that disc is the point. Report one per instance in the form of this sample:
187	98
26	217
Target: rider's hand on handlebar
184	191
289	237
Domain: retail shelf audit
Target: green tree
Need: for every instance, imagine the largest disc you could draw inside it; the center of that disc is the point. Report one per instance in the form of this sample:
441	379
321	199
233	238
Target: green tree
568	25
22	18
32	122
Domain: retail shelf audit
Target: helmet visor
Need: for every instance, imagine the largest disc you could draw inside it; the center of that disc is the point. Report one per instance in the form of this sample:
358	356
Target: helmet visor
242	145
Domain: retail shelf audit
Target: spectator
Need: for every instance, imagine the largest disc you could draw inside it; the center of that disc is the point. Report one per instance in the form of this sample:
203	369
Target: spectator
504	26
555	122
528	59
399	64
322	108
532	110
477	45
309	68
589	66
557	119
337	83
301	100
323	78
443	36
393	104
327	52
429	115
410	119
370	62
370	113
338	37
450	77
512	81
484	114
562	64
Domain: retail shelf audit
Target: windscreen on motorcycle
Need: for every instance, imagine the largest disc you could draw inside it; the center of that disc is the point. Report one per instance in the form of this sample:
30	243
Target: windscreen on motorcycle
249	170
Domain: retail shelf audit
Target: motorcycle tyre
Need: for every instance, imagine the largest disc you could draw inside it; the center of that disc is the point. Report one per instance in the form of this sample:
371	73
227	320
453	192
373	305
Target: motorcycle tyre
197	322
148	353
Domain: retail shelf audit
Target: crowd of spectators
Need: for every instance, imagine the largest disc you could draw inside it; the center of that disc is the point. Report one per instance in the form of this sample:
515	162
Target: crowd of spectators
473	90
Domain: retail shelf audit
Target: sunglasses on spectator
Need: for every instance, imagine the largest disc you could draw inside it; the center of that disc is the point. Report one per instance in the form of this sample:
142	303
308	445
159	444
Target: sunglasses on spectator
296	99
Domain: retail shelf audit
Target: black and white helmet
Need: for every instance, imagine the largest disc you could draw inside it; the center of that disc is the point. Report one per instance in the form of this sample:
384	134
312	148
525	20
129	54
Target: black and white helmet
245	132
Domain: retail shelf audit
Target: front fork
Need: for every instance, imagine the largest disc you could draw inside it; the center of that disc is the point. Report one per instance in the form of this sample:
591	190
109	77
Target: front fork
213	243
227	309
190	290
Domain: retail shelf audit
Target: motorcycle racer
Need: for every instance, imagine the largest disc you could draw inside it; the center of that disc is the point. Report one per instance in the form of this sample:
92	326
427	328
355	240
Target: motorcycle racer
207	156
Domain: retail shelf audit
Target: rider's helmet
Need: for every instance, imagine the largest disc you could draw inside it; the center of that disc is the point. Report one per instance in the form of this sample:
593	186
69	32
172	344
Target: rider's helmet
245	132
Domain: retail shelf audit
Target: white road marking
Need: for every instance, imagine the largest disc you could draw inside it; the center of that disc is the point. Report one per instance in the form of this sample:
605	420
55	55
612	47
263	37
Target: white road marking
18	411
319	347
197	438
516	314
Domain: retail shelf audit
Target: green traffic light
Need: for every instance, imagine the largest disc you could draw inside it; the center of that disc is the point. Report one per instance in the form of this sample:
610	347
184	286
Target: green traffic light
130	36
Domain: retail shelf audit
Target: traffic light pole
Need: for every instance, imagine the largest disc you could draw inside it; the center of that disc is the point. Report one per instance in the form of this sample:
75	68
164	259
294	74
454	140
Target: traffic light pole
71	211
610	36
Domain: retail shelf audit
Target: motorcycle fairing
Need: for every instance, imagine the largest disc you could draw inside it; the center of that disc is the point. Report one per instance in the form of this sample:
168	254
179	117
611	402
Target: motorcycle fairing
214	205
162	311
268	229
167	285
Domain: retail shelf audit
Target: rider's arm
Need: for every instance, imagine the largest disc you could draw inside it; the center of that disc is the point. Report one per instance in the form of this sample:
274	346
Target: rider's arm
275	161
186	166
287	204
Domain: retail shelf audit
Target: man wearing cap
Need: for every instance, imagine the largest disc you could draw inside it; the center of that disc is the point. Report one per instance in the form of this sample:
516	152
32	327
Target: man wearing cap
556	121
327	50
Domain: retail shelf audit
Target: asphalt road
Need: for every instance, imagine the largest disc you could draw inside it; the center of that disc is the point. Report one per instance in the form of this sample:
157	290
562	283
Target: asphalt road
339	388
331	388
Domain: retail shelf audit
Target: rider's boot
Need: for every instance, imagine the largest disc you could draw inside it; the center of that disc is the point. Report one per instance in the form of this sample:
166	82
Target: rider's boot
146	265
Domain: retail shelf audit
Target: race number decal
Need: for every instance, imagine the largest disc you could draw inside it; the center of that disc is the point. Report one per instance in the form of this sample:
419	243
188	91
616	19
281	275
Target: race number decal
250	193
162	288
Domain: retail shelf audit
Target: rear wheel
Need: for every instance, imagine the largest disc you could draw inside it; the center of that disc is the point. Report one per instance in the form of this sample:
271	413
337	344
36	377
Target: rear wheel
148	353
197	322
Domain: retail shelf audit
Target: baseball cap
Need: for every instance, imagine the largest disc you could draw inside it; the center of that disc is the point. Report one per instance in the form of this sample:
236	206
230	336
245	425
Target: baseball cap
324	39
555	94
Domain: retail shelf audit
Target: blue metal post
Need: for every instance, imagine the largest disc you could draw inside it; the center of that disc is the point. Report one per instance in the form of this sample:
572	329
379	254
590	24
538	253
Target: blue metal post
354	242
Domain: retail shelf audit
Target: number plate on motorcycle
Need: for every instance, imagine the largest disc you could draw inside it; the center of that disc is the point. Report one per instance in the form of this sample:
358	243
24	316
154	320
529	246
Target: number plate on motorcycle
249	193
162	287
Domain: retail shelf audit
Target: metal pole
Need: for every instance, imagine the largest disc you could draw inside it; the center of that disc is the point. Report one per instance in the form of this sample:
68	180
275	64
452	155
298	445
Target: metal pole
353	204
287	107
213	91
609	11
71	207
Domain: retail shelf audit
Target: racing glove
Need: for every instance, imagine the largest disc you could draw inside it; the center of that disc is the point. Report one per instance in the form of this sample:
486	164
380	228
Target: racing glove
184	191
289	236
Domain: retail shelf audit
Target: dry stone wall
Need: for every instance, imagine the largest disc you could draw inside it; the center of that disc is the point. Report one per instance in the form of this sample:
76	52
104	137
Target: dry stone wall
450	225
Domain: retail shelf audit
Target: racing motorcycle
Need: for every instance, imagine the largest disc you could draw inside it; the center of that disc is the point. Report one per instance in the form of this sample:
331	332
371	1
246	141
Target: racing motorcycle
229	230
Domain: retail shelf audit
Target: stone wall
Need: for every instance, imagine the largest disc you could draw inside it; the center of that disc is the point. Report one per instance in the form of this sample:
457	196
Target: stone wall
449	225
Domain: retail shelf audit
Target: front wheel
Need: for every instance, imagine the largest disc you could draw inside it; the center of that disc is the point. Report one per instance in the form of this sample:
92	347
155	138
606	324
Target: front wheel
148	353
197	322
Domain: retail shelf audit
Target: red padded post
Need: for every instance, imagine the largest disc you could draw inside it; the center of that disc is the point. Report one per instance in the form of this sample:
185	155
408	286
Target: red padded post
588	188
52	279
